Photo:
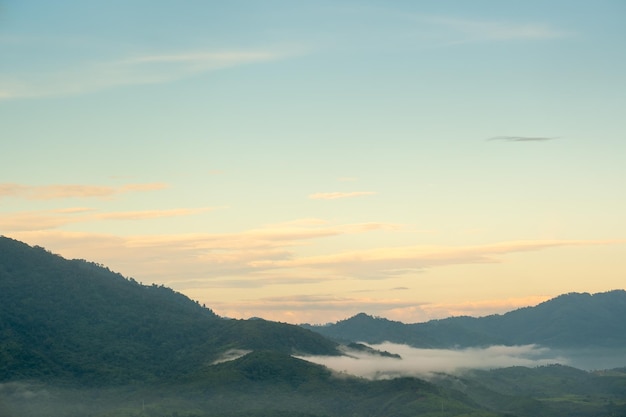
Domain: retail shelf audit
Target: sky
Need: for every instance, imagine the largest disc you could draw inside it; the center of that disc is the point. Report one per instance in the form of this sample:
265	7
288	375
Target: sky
304	161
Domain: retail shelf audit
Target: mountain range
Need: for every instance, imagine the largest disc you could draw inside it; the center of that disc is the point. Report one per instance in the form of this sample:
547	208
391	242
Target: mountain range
76	319
575	320
77	339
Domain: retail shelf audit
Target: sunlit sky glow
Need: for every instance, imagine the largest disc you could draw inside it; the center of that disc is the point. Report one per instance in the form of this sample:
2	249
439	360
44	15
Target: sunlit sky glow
306	161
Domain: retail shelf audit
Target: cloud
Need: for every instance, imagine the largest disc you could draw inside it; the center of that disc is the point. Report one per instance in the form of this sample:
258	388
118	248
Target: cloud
311	308
323	302
336	195
82	77
231	355
307	308
260	257
151	214
384	262
203	60
74	210
33	220
327	307
323	308
167	258
52	219
522	138
428	311
474	30
425	363
60	191
216	267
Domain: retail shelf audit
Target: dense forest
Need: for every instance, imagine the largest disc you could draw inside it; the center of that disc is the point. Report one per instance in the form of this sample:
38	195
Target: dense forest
76	319
77	339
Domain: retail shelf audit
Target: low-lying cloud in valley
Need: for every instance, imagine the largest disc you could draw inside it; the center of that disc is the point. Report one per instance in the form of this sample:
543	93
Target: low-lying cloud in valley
424	363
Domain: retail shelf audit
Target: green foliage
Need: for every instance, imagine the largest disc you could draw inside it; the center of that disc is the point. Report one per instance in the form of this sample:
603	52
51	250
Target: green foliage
553	390
77	339
79	320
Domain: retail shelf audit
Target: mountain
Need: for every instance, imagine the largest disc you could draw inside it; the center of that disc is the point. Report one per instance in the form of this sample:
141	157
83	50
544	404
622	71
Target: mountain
572	320
260	384
77	339
553	390
76	319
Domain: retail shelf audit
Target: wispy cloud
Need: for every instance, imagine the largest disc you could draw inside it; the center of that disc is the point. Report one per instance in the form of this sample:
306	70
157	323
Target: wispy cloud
339	194
523	138
463	30
28	221
324	302
427	311
51	219
425	363
151	214
202	265
311	308
202	61
390	261
268	253
87	77
499	30
168	258
328	307
60	191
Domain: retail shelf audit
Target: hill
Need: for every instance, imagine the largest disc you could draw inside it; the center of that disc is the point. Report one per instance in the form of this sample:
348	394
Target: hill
79	320
77	339
569	321
553	390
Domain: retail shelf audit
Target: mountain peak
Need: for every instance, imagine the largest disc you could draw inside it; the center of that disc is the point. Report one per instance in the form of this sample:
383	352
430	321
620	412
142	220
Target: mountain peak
74	318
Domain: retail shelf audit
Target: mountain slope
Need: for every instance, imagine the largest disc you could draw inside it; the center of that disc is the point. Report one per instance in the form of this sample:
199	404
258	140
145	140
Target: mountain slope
569	321
77	319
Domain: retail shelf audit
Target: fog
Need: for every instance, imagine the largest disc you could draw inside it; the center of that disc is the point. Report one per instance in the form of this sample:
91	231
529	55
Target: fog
231	355
424	363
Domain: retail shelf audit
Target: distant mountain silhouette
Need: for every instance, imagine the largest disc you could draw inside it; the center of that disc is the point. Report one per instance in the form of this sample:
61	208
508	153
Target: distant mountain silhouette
81	320
568	321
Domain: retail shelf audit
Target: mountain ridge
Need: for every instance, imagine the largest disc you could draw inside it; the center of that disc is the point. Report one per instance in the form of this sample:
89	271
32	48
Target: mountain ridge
77	319
79	339
568	320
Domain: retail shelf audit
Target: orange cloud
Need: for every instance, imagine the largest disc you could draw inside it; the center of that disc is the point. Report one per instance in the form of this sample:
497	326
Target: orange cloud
338	194
60	191
209	266
429	311
259	256
151	214
30	221
193	255
382	262
51	219
324	308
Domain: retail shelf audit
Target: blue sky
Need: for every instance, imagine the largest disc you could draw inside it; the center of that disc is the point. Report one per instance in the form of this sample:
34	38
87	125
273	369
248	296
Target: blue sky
305	161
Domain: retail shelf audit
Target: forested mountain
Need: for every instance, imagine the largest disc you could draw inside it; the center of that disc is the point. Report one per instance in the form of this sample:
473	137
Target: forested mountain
80	320
569	321
77	339
545	391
